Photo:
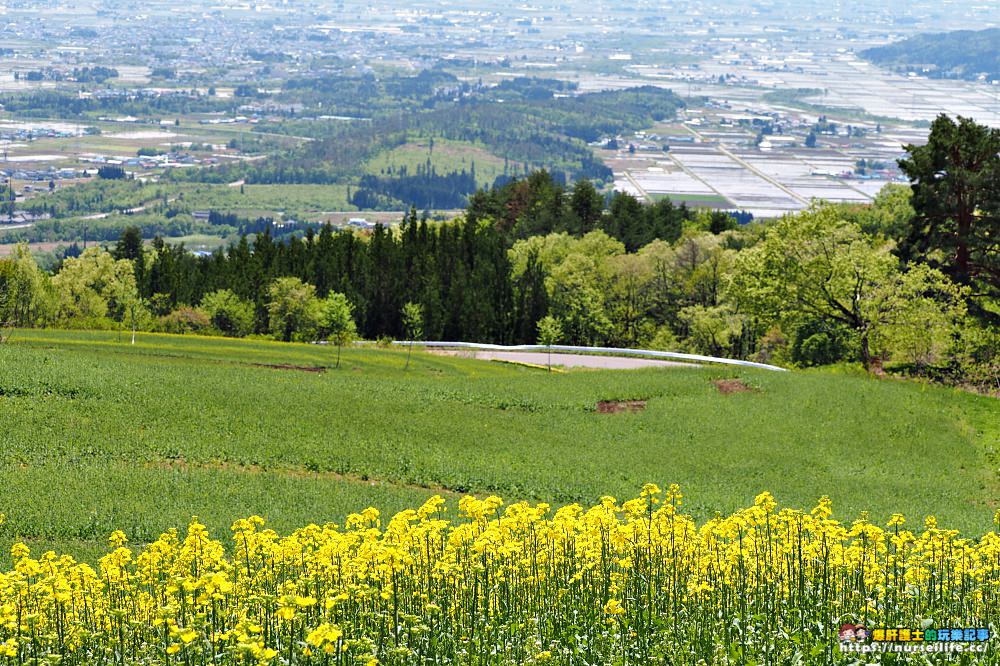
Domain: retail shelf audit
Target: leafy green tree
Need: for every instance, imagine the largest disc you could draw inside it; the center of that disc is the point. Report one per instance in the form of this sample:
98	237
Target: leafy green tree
549	333
692	272
228	313
293	309
819	342
890	215
927	309
94	286
666	221
25	295
956	197
627	300
713	330
337	321
133	308
818	267
413	326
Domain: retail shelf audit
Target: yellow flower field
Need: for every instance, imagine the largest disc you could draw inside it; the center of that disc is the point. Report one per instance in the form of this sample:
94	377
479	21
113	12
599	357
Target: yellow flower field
630	583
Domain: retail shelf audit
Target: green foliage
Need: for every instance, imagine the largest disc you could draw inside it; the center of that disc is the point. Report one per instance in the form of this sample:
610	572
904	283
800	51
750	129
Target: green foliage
25	293
294	311
64	103
540	205
228	313
184	320
93	286
956	180
817	266
712	331
820	342
337	321
413	325
549	331
816	288
890	215
528	130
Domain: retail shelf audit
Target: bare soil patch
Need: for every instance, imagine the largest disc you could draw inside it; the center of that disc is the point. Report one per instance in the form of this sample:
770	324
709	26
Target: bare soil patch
619	406
727	386
185	465
285	366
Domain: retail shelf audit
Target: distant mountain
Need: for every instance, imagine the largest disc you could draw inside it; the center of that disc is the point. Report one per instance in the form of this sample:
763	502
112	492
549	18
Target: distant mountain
963	54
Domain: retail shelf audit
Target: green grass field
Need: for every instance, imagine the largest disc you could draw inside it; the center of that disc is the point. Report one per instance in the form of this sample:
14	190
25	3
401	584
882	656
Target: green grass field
695	200
97	434
200	242
261	198
446	156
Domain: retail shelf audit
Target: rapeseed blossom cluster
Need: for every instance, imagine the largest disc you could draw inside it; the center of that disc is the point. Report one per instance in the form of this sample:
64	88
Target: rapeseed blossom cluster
634	582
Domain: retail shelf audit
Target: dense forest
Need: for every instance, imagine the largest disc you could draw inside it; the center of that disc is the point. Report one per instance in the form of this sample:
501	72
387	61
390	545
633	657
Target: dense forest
963	54
425	189
71	105
911	282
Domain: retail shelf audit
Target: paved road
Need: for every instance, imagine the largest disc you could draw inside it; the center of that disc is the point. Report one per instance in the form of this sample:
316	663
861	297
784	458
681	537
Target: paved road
567	360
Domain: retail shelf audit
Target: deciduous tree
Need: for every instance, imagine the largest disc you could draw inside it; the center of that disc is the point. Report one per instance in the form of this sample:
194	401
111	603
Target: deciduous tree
337	321
817	266
293	309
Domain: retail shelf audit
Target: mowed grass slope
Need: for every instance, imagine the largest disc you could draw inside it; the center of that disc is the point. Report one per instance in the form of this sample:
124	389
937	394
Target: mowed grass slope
97	434
445	156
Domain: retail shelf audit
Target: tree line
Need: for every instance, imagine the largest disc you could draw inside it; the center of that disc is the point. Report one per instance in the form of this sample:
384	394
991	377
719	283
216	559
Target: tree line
911	281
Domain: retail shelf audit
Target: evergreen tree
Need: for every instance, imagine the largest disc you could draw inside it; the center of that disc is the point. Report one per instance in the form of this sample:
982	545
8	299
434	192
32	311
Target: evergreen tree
956	195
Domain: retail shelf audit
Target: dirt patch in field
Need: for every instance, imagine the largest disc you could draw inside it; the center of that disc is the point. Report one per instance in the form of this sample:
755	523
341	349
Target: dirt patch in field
285	366
296	472
619	406
727	386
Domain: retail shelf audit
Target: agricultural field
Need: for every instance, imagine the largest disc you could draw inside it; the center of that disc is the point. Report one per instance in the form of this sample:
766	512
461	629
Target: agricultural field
97	434
73	147
309	201
719	158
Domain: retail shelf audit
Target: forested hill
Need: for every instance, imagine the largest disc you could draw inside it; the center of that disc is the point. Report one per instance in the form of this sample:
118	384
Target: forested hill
963	54
531	124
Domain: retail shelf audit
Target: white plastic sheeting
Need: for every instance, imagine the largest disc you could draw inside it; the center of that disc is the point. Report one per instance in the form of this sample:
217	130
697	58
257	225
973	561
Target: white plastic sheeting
594	350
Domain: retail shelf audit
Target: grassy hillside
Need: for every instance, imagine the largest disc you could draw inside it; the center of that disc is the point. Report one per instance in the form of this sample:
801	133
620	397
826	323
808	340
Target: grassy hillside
446	156
96	434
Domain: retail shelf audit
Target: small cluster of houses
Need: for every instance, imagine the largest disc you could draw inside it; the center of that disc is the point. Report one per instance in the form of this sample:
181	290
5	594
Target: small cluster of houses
17	132
40	175
168	160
